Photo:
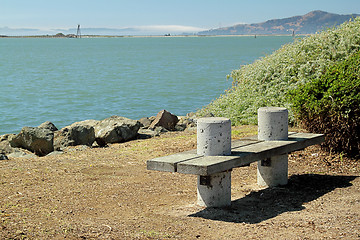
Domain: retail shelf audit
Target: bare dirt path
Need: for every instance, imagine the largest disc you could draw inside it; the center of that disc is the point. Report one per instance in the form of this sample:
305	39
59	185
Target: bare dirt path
107	193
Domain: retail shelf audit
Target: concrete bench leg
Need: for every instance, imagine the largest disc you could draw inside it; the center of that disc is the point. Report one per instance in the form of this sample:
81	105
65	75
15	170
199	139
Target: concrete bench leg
274	174
273	126
214	190
214	139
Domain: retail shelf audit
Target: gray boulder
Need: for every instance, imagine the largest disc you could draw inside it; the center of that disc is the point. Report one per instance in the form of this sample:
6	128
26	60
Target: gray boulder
79	133
165	119
145	133
145	122
48	125
5	147
21	153
90	122
116	129
185	123
3	157
37	140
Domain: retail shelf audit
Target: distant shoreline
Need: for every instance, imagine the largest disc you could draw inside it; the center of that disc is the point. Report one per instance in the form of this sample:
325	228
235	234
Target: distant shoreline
153	36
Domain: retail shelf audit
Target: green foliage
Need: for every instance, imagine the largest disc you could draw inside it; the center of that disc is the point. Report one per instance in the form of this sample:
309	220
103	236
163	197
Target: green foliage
330	104
267	81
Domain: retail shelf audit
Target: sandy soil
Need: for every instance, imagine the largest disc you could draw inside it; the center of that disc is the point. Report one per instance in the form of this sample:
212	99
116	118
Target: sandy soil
107	193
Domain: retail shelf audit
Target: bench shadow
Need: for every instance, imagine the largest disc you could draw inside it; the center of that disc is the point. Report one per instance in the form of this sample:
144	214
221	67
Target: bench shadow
271	202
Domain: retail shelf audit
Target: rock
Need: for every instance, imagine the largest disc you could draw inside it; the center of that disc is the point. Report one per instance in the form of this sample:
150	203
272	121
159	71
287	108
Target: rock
5	147
145	133
116	129
159	130
37	140
79	133
149	133
145	122
165	119
90	122
21	153
55	153
180	127
3	157
77	148
181	124
6	137
48	125
185	123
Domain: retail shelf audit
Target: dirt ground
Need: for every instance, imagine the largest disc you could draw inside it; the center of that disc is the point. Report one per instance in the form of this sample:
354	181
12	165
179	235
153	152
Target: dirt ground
107	193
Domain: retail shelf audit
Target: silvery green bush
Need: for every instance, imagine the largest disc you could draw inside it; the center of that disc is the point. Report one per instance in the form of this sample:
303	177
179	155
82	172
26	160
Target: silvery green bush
267	81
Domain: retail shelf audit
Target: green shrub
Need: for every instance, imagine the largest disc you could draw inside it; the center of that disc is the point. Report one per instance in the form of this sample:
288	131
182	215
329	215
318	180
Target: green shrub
267	81
330	104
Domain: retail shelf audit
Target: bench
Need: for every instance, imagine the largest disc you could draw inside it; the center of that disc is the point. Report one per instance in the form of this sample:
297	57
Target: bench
216	155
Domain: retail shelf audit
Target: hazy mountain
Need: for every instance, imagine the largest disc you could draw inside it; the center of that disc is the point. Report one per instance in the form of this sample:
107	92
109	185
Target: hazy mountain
306	24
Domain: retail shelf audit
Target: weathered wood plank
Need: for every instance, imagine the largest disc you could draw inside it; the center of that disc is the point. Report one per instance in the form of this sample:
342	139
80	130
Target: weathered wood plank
244	155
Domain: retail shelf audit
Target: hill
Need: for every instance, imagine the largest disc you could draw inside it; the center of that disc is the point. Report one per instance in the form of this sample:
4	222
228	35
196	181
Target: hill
307	24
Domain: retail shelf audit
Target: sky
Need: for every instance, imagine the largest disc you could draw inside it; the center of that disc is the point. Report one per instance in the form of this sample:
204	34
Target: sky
150	16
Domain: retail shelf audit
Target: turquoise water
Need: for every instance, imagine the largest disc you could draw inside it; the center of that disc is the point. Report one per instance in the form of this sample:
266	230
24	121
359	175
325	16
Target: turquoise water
69	80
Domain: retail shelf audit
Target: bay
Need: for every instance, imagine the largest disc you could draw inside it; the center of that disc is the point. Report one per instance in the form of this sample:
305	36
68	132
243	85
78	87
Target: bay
69	80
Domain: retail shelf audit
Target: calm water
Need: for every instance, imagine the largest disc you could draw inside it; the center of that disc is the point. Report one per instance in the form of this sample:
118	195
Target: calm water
69	80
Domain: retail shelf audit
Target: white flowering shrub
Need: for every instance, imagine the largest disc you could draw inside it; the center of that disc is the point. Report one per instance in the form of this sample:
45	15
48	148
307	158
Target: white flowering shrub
267	81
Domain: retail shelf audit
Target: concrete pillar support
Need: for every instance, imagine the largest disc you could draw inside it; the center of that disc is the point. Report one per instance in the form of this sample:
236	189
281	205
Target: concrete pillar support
214	190
273	126
214	139
214	136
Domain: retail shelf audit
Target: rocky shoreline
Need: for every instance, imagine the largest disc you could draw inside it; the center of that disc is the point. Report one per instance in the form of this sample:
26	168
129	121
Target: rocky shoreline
48	139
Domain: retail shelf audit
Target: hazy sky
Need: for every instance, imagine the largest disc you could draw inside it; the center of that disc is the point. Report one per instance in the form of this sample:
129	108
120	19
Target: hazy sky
194	14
